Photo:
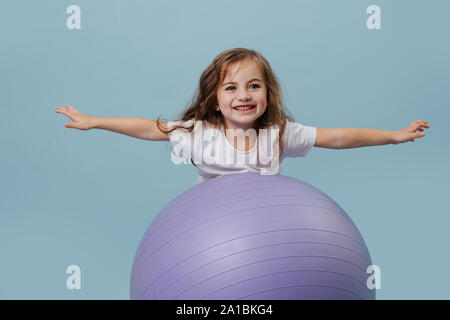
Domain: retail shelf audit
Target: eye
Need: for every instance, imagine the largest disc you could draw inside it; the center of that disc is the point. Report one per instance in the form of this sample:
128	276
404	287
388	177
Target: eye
254	85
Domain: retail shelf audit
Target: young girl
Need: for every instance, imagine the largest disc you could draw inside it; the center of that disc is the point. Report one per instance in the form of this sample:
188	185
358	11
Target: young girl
237	123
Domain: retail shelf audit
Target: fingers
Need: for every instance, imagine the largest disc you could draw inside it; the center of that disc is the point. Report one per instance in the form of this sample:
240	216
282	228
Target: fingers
69	112
71	108
418	125
422	123
66	109
418	135
61	109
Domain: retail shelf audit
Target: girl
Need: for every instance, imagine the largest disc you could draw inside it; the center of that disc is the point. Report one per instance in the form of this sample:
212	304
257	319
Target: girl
236	122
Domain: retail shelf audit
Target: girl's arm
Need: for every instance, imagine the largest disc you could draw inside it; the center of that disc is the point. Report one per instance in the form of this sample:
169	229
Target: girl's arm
346	138
140	128
134	127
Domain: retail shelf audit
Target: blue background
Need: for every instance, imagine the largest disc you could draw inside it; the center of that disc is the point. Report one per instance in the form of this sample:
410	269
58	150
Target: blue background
87	197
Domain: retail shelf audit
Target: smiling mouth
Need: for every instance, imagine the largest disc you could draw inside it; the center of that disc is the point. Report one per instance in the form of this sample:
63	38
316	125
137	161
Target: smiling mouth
244	107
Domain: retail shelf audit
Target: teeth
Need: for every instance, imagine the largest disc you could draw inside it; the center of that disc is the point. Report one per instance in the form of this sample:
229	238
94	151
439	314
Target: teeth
243	108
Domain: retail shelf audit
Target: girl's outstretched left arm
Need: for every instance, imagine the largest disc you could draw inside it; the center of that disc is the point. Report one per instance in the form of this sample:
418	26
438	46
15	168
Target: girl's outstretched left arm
346	138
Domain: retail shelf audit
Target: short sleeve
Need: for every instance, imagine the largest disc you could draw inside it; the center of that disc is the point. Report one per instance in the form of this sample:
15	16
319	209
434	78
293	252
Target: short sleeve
298	139
181	139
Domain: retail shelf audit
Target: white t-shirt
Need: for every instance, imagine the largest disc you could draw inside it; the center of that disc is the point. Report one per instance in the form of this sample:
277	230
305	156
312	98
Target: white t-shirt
214	155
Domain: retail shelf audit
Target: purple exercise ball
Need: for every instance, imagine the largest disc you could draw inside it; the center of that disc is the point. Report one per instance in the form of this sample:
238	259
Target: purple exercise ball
253	237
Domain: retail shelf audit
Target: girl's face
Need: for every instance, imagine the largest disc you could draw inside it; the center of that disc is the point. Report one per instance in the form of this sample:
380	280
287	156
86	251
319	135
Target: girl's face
243	86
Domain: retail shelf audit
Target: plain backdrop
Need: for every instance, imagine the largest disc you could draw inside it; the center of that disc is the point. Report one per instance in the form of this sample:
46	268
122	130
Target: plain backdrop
70	197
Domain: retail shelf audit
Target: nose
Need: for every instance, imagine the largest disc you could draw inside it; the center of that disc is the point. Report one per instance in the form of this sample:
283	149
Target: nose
244	95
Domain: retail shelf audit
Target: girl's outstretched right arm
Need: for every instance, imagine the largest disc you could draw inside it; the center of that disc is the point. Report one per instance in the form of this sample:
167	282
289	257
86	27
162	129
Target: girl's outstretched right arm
134	127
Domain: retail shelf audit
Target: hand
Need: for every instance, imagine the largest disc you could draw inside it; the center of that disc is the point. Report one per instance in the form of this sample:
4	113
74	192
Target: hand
409	133
81	121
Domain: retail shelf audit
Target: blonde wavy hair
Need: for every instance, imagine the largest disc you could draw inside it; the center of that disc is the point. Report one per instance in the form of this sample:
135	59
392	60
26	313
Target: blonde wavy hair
204	102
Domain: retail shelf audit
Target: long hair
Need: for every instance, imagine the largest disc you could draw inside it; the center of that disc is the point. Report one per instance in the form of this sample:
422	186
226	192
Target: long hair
205	99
